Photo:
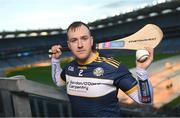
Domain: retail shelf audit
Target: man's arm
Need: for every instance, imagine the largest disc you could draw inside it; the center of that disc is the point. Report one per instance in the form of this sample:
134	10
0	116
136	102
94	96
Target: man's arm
56	68
56	72
143	92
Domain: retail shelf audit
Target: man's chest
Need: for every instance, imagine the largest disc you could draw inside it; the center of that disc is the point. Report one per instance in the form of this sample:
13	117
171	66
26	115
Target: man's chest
89	81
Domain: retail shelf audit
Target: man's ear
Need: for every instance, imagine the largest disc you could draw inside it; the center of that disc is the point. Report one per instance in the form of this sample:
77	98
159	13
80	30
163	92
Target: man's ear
68	45
92	40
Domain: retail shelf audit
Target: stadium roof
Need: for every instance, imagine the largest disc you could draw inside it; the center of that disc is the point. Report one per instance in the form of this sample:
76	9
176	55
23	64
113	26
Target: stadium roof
149	11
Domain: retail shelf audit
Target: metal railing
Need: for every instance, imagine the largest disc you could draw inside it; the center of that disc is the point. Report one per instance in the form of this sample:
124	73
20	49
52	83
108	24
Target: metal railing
20	97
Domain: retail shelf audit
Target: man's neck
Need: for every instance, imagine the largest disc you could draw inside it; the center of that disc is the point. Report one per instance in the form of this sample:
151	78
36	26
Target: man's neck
93	55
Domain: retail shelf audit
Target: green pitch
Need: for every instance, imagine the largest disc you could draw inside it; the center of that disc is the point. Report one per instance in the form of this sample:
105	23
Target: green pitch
43	74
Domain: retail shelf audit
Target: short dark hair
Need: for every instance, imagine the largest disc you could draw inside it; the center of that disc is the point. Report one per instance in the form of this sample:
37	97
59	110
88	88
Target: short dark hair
76	24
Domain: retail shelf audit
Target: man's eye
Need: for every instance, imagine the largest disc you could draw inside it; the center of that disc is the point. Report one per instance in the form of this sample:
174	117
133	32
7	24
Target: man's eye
73	40
85	38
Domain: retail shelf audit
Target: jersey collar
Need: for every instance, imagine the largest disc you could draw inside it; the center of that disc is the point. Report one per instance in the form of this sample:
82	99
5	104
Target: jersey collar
95	56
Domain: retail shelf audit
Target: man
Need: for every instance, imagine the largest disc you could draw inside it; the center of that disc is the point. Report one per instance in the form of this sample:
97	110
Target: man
93	81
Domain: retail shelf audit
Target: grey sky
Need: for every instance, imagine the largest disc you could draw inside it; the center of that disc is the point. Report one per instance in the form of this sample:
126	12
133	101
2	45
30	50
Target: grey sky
44	14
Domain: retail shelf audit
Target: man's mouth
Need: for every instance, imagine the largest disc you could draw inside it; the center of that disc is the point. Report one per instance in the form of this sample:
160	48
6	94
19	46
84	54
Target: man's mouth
81	51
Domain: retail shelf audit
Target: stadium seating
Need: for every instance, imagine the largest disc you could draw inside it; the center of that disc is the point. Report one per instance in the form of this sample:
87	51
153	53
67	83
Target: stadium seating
18	51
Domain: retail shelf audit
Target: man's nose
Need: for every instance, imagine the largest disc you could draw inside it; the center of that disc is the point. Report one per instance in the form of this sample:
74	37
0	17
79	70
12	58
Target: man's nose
80	44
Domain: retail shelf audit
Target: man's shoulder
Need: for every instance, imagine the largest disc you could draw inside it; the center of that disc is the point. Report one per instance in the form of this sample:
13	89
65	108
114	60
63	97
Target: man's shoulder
108	61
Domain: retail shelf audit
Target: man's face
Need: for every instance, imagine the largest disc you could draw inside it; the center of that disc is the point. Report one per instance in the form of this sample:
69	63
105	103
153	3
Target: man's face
80	42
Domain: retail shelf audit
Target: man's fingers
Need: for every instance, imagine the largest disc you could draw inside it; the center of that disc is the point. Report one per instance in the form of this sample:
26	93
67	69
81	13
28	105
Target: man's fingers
56	55
55	51
59	46
151	52
58	49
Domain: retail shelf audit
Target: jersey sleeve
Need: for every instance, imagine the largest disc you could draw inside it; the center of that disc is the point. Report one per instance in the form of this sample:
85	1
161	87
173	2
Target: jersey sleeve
139	90
56	72
124	79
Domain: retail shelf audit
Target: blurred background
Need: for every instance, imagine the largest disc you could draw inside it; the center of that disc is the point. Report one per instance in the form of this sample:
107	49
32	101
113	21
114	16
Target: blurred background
29	28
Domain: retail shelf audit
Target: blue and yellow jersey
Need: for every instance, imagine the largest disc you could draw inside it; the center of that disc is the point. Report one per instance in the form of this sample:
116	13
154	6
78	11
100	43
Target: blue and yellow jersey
93	86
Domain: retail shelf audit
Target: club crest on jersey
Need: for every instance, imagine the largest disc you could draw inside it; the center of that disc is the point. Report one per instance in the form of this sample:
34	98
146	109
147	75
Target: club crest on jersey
70	68
98	71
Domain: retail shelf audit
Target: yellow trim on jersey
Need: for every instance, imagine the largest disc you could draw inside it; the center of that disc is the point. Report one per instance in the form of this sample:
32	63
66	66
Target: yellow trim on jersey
110	61
113	60
112	64
99	59
95	56
132	90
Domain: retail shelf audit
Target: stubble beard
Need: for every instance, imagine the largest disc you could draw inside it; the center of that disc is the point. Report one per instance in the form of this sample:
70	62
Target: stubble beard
82	60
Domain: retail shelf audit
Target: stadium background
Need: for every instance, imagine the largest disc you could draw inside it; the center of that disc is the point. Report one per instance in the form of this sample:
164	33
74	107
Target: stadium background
25	49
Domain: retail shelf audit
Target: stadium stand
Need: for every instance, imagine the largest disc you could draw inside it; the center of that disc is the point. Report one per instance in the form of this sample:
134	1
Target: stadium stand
21	47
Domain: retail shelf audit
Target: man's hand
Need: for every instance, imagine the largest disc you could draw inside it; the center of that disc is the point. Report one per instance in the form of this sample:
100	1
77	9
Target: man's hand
147	63
55	51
